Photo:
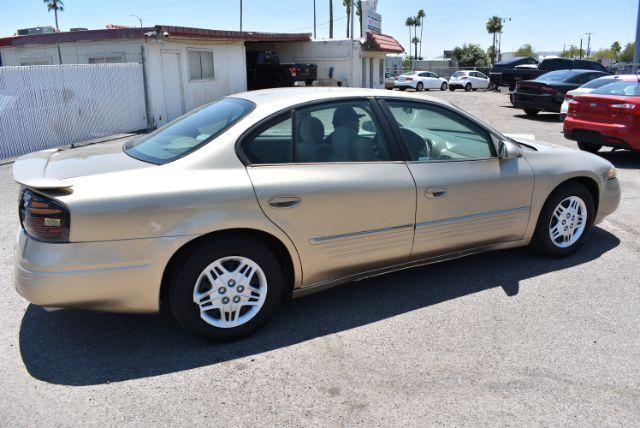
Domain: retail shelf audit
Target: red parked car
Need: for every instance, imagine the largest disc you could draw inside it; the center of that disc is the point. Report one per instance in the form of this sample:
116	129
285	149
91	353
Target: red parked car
608	116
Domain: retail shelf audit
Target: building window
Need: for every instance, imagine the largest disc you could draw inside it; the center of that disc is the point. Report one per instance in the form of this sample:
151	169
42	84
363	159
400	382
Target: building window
112	59
200	65
41	61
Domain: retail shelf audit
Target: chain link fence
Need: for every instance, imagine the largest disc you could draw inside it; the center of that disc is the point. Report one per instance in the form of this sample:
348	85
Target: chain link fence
48	106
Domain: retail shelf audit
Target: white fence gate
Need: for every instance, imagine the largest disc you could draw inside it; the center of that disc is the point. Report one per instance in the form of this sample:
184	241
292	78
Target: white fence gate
46	106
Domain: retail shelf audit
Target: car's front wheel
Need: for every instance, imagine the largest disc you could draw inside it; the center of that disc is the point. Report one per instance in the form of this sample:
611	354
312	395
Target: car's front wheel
226	289
467	87
589	147
565	221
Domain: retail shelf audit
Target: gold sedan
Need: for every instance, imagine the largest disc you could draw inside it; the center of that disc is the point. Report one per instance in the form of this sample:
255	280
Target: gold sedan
231	208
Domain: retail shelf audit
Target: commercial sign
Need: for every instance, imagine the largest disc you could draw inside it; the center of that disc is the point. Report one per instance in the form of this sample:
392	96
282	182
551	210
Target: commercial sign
372	20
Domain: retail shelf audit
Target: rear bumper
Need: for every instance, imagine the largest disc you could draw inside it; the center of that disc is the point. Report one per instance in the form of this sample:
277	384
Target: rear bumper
404	84
551	103
457	85
606	134
113	276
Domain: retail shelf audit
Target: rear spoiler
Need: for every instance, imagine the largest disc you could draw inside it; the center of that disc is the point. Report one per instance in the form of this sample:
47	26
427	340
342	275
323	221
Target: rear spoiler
29	170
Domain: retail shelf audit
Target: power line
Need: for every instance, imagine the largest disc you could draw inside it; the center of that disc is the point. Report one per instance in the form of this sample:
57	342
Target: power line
322	23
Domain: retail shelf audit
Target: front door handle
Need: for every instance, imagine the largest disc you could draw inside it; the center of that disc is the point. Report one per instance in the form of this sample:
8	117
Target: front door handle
284	201
435	192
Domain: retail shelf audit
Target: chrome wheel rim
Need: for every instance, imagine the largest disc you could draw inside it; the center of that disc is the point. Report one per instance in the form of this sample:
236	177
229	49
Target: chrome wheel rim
568	222
230	291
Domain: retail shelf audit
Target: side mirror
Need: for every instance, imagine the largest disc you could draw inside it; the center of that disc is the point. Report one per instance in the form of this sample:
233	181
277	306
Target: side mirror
369	126
508	150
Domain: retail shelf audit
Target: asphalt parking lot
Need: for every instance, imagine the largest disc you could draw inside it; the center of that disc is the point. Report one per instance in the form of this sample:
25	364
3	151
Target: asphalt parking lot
504	338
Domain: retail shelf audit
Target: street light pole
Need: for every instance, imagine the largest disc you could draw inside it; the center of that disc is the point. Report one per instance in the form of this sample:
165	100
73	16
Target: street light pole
240	15
139	19
589	44
314	20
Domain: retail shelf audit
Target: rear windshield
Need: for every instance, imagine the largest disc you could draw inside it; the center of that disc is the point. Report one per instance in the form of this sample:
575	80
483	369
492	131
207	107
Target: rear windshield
556	76
189	132
628	89
458	74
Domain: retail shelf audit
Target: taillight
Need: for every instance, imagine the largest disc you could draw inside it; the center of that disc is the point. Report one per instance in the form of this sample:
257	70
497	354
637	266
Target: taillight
464	78
294	71
43	218
408	78
626	108
568	97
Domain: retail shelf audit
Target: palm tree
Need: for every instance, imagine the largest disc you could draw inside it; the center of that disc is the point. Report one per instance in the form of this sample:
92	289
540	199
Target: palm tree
494	26
410	22
415	42
331	19
348	4
421	15
359	14
55	6
416	24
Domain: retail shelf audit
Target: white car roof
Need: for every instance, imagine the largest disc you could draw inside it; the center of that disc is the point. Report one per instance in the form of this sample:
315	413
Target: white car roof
280	98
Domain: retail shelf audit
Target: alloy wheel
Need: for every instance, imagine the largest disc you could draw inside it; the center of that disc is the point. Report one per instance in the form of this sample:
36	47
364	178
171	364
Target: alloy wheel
568	222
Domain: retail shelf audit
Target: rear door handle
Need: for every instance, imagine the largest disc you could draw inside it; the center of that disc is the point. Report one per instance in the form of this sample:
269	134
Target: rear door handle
284	201
435	192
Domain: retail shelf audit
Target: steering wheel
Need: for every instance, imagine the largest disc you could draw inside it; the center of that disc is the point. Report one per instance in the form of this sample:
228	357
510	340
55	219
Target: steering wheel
418	146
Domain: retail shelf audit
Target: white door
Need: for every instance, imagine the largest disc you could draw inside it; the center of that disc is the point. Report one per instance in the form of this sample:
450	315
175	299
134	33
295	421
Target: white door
172	85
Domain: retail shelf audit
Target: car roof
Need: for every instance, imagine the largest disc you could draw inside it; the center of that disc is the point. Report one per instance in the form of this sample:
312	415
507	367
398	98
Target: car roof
512	60
280	98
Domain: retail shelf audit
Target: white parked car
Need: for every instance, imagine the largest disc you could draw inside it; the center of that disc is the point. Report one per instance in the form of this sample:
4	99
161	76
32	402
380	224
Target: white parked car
420	80
468	80
590	87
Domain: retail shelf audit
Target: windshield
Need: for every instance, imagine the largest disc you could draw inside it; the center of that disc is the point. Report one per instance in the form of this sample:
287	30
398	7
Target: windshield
188	132
458	74
556	76
625	89
597	83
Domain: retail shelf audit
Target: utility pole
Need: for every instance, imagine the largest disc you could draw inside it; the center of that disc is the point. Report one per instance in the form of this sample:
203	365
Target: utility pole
240	15
139	19
636	50
589	44
580	52
314	20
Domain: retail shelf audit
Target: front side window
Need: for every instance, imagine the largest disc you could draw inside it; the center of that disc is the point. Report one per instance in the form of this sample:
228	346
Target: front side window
434	133
200	65
189	132
344	131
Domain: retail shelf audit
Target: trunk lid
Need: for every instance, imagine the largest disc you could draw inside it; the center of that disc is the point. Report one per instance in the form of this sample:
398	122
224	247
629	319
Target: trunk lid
597	108
51	169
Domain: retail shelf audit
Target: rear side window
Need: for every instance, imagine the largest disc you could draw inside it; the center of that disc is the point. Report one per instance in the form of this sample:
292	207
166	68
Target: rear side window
189	132
588	65
584	77
555	64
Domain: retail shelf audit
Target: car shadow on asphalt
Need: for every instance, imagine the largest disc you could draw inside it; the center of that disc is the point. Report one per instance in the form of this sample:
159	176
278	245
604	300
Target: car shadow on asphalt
542	117
87	348
622	159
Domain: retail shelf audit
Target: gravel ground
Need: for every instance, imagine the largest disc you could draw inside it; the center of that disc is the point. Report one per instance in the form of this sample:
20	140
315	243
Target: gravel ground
505	338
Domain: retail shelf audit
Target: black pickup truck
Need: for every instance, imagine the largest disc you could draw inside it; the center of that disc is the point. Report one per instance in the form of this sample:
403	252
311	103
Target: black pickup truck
264	70
495	74
512	76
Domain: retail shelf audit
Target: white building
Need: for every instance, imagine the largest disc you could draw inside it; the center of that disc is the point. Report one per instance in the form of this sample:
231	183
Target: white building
185	68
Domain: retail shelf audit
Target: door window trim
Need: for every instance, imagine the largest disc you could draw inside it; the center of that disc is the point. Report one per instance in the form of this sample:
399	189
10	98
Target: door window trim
395	151
399	137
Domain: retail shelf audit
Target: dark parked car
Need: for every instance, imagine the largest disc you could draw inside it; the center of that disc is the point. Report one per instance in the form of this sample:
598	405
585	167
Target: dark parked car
495	75
264	70
513	76
546	93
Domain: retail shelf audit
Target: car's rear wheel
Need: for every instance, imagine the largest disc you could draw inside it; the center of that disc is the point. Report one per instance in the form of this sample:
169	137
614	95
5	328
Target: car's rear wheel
443	87
531	112
226	289
565	221
467	87
589	147
419	87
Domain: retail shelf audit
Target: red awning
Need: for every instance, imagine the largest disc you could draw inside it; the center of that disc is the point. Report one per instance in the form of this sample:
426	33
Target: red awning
383	43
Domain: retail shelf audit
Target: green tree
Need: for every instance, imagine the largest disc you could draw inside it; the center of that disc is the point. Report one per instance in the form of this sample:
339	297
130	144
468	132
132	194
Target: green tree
348	4
616	48
572	52
420	16
55	6
525	50
604	54
359	14
627	54
470	56
410	22
415	42
494	26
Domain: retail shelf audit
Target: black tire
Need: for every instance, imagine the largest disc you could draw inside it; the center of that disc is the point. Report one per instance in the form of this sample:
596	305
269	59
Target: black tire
419	87
474	89
183	281
308	82
451	88
531	112
403	89
542	242
444	86
589	147
467	87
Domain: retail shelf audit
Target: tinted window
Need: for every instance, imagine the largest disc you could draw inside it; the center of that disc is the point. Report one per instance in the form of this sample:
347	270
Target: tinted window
556	76
555	64
584	77
628	89
434	133
189	132
329	132
588	65
594	84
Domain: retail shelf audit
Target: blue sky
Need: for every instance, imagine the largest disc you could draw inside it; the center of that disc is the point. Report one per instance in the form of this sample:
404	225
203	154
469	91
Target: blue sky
546	24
